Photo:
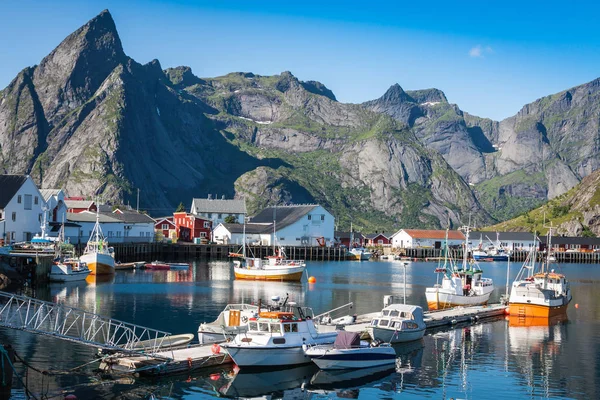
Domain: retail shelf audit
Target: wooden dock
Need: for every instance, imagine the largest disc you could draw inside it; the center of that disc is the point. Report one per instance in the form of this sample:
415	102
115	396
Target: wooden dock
167	362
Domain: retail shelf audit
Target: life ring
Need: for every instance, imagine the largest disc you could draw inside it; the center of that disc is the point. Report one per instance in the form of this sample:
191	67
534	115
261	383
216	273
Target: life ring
216	349
244	319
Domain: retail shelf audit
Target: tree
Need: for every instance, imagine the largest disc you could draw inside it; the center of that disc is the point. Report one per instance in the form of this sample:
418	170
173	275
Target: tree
180	207
230	219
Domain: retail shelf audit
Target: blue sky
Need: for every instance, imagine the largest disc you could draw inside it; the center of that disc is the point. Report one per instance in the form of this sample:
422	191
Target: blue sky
490	58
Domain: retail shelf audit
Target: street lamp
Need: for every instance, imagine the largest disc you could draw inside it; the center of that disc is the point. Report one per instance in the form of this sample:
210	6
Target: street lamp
405	265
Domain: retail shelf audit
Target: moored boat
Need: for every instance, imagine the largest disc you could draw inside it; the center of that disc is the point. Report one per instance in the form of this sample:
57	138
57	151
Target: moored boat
462	285
398	323
231	321
275	338
98	256
157	265
347	352
68	270
178	265
539	291
359	254
275	268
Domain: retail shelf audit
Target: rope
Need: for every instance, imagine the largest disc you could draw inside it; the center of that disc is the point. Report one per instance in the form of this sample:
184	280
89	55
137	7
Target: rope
4	354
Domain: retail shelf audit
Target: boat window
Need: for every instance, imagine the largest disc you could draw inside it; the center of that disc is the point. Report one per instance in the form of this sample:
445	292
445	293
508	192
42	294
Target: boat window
275	328
286	328
386	313
395	313
294	327
374	322
263	327
279	340
253	326
410	325
384	322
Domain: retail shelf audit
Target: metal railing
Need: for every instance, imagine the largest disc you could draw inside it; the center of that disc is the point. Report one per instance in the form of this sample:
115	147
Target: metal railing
77	325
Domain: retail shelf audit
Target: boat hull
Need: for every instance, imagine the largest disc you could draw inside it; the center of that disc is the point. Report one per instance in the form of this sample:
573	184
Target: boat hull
245	356
99	263
437	300
279	274
394	336
352	358
70	277
527	310
503	257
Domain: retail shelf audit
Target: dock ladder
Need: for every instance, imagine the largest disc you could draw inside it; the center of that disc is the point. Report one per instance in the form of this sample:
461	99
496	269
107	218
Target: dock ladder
77	325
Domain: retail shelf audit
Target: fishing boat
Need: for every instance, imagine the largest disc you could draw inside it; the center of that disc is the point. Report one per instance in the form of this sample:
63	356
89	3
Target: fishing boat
231	321
398	323
495	251
68	270
275	338
129	265
358	253
461	285
98	256
539	291
348	352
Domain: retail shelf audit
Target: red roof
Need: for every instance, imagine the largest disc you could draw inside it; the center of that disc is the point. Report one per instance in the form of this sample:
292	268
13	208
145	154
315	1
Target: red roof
434	234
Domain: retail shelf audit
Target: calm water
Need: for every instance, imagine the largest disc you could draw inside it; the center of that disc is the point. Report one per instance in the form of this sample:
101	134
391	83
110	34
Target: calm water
491	359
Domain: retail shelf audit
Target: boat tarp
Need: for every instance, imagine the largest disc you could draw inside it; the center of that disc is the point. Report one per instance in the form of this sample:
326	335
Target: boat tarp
346	340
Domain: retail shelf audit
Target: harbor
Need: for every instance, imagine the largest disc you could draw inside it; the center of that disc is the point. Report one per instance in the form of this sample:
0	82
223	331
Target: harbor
178	301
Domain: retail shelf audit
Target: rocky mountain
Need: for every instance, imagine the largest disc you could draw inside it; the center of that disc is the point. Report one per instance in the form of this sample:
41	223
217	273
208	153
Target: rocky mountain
574	213
93	121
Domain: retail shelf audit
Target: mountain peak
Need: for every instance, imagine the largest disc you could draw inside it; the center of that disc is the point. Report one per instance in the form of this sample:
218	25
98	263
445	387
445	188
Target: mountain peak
395	94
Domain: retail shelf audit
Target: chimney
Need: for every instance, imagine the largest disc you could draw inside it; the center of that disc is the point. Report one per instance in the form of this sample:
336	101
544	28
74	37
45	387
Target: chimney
210	196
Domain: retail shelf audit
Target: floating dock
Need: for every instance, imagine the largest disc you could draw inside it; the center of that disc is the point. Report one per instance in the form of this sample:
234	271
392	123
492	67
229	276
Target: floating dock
167	362
435	319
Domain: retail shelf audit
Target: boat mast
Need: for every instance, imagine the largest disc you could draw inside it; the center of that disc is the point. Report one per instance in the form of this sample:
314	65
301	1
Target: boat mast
244	237
466	250
274	226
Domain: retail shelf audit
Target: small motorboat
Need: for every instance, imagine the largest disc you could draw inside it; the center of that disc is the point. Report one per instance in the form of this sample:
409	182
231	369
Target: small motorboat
129	265
68	270
178	265
165	342
398	323
157	265
348	352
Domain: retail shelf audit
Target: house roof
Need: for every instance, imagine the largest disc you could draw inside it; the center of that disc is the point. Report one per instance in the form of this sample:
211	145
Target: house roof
47	193
283	215
91	217
163	220
374	235
79	203
223	206
10	185
251	228
55	226
524	236
131	217
347	235
434	234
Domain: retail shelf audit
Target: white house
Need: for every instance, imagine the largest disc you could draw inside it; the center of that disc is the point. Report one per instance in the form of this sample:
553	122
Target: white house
20	208
413	238
234	233
511	240
55	205
217	210
117	227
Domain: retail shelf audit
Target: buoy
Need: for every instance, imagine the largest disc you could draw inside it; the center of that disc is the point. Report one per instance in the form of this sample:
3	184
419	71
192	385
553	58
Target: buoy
215	377
507	311
576	305
216	349
312	279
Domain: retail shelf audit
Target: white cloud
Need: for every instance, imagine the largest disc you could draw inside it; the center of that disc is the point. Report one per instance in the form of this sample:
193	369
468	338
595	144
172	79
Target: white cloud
480	51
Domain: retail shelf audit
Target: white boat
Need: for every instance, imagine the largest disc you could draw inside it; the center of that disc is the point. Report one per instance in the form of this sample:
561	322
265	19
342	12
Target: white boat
398	323
68	270
231	321
97	255
539	291
359	253
347	352
495	251
275	338
275	268
461	285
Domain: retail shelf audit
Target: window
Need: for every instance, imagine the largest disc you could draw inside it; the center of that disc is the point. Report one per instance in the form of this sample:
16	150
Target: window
14	235
294	327
275	328
278	340
209	215
384	322
14	216
19	199
40	217
206	224
220	216
118	233
282	238
286	327
110	233
322	217
36	201
309	217
27	204
165	227
253	326
263	327
374	322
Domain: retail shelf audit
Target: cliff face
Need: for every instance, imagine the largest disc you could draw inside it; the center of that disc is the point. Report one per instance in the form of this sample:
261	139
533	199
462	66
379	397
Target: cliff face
95	122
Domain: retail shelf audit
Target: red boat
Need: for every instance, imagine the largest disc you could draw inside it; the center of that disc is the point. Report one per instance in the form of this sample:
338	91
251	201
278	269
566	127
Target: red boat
157	265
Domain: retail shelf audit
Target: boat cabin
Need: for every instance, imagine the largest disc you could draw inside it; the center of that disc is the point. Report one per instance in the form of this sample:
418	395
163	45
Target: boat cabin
399	317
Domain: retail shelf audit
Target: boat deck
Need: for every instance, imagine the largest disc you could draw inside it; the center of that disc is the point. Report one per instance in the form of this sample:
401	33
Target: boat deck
167	362
434	319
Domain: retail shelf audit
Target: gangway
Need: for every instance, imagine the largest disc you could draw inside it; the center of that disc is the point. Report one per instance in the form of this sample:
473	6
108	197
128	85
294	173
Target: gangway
77	325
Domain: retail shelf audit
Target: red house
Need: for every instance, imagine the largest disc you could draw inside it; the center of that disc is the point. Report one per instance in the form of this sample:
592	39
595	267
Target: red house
377	239
166	226
344	239
190	226
77	206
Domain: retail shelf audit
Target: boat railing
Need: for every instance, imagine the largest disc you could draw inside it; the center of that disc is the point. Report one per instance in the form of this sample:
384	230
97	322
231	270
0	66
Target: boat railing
241	306
335	313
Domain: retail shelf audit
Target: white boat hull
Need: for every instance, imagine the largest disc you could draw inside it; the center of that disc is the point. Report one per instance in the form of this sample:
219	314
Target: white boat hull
68	277
367	357
293	274
438	299
245	356
394	336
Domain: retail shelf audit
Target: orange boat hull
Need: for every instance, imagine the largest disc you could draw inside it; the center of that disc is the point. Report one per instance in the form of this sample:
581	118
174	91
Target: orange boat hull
295	277
534	310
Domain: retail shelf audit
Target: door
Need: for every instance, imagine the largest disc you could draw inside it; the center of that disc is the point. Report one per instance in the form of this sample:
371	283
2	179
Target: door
234	318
